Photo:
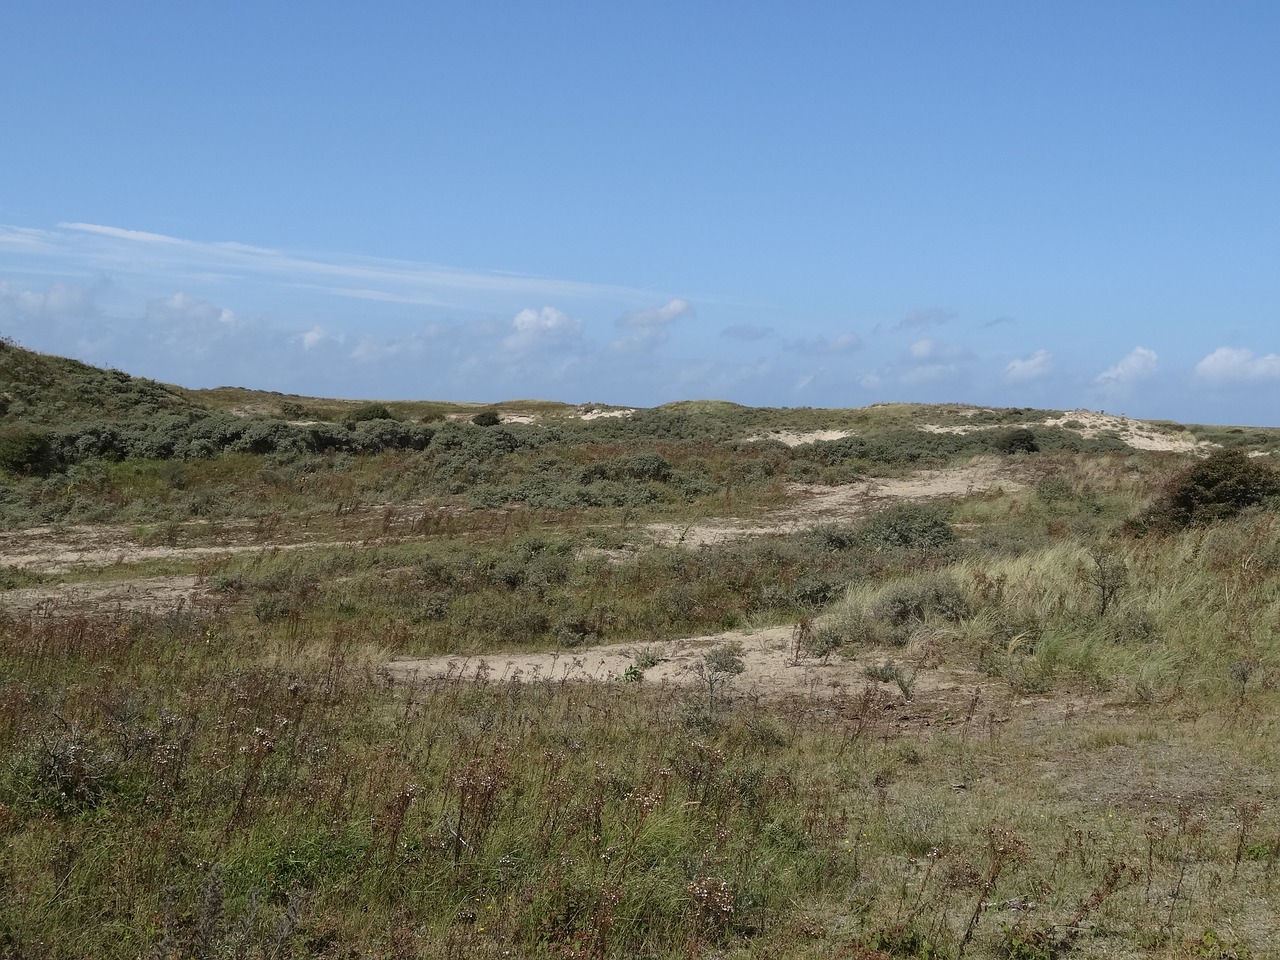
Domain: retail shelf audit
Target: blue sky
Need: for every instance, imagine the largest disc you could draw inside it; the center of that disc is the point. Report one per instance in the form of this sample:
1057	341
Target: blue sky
810	204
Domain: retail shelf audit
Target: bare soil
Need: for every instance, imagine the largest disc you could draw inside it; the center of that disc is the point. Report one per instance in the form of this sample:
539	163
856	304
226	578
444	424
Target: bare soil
814	505
771	669
1135	433
73	599
50	550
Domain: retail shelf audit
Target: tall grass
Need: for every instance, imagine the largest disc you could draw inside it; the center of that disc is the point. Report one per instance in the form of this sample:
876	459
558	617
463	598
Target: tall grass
168	793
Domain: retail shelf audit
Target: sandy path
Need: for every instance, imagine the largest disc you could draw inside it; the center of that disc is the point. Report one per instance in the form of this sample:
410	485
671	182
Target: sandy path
817	505
157	594
83	548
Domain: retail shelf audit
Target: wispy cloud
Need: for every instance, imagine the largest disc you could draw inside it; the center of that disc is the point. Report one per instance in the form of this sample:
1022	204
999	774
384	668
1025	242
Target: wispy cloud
140	253
120	233
649	327
60	303
931	351
383	296
1034	367
1228	366
926	361
929	360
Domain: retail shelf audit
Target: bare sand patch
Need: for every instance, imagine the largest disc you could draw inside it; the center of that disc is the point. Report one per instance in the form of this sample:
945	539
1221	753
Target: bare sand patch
1138	434
815	504
82	548
156	594
793	439
606	414
771	669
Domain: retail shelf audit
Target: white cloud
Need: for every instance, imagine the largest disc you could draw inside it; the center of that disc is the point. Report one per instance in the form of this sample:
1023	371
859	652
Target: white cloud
190	327
185	310
446	346
65	318
373	350
318	336
1235	365
927	360
844	342
1139	364
931	352
534	328
119	233
61	302
159	257
383	296
659	317
24	239
650	326
1029	368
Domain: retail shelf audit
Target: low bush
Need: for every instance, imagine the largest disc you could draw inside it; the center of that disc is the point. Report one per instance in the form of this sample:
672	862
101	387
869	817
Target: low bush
915	599
908	526
25	451
370	411
1220	486
1018	440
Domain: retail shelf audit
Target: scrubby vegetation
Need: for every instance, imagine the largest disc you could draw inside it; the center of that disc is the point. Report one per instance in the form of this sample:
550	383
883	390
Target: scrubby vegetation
1032	720
1221	485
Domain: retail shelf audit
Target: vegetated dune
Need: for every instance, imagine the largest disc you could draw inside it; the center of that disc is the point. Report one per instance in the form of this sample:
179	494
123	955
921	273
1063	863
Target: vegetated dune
701	680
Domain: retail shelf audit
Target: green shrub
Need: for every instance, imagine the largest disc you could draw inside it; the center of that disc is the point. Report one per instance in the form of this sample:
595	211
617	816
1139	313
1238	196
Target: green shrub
908	525
1020	440
1220	486
486	418
830	538
647	466
370	411
25	451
